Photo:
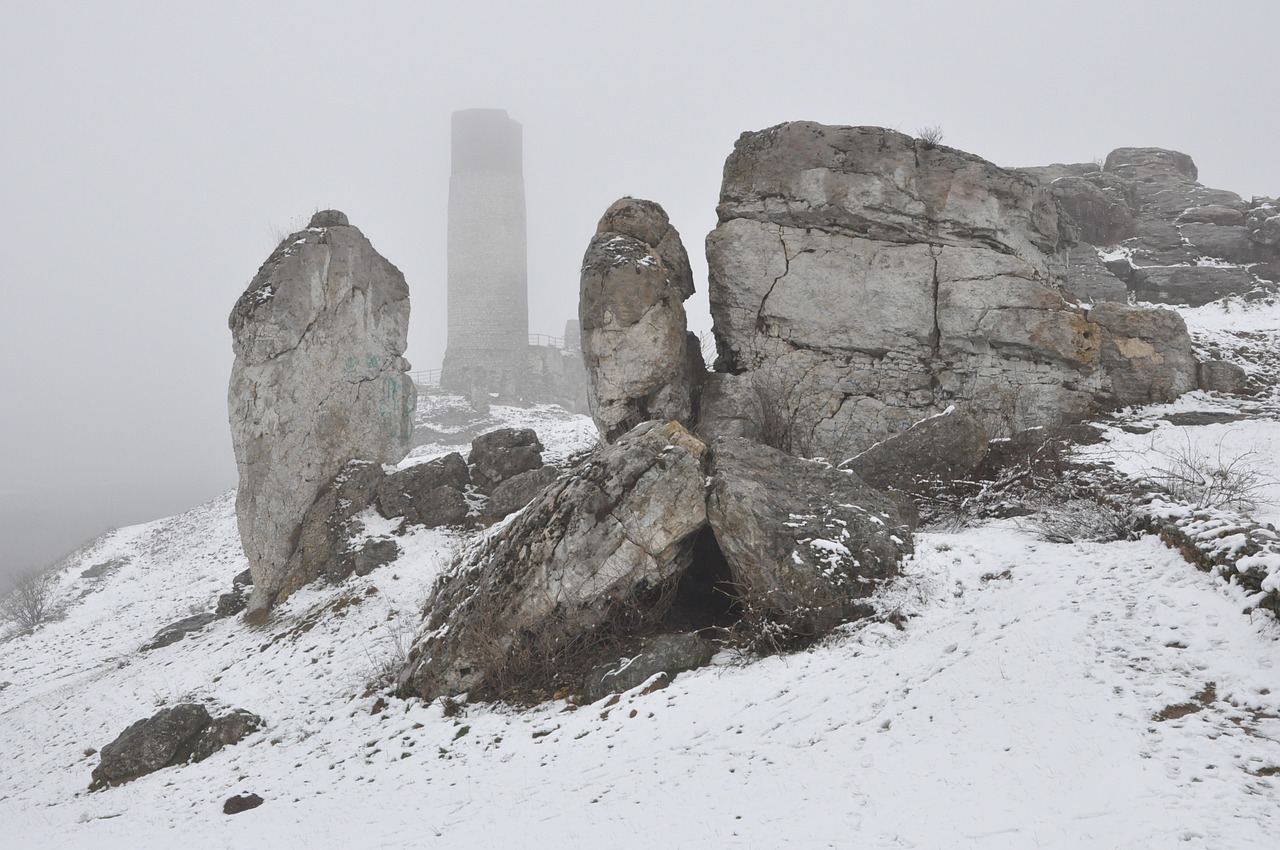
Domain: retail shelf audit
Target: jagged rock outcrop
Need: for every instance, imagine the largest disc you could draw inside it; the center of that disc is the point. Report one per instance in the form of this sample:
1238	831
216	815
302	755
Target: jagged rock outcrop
1168	238
862	280
172	736
635	279
804	542
319	379
593	547
645	534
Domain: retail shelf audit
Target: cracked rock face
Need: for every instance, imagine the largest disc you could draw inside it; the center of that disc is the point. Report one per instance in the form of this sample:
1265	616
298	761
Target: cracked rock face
592	545
319	379
861	280
635	279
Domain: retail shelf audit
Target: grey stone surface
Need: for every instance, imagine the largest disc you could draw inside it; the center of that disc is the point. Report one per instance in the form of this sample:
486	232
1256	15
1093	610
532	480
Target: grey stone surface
1102	214
325	548
1146	354
175	632
669	653
602	537
804	542
1190	285
860	282
319	379
164	739
517	491
1088	279
942	447
223	731
1263	221
635	278
502	454
1222	377
430	494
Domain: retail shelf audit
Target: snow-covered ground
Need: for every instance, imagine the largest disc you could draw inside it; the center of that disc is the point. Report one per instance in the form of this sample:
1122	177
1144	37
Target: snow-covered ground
1037	695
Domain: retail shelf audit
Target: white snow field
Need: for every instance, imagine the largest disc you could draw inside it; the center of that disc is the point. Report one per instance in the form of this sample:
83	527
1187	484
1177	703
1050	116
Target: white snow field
1037	695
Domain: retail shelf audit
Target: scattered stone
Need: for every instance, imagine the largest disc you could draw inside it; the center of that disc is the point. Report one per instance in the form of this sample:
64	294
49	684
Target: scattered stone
502	454
804	542
669	654
319	379
174	735
175	632
230	604
635	279
241	803
224	731
166	738
106	568
593	547
1222	377
1204	417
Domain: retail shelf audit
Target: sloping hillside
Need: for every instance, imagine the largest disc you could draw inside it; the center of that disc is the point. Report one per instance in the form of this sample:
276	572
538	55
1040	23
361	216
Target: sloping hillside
1032	694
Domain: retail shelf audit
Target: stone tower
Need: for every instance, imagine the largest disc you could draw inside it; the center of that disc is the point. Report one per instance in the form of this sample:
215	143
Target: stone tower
488	288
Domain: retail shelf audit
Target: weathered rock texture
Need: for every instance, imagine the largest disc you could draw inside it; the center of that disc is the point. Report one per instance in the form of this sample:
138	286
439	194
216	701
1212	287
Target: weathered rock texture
804	542
635	279
638	537
599	540
180	733
942	447
319	379
1166	237
861	280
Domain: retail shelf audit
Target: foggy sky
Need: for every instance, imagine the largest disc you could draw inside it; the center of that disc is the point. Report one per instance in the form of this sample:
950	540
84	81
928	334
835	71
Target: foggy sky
152	149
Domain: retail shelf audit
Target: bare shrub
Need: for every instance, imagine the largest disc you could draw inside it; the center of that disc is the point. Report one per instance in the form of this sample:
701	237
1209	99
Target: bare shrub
392	656
776	407
32	601
1078	519
930	136
1214	479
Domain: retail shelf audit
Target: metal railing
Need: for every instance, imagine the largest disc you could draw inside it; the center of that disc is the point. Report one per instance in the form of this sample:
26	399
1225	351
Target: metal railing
426	377
545	339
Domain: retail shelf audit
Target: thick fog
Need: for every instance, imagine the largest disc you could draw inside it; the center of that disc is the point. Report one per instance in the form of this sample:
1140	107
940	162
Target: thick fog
154	152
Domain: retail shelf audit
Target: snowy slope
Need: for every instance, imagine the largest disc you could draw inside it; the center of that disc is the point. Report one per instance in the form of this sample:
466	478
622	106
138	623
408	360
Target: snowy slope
1039	695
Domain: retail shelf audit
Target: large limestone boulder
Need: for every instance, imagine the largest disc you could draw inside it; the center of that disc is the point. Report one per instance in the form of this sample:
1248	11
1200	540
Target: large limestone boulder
804	542
861	280
1263	221
635	279
595	548
319	379
1145	354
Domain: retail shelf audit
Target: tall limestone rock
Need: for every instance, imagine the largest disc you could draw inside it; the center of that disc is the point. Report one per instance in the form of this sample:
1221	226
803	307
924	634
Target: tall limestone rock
861	280
319	379
635	279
